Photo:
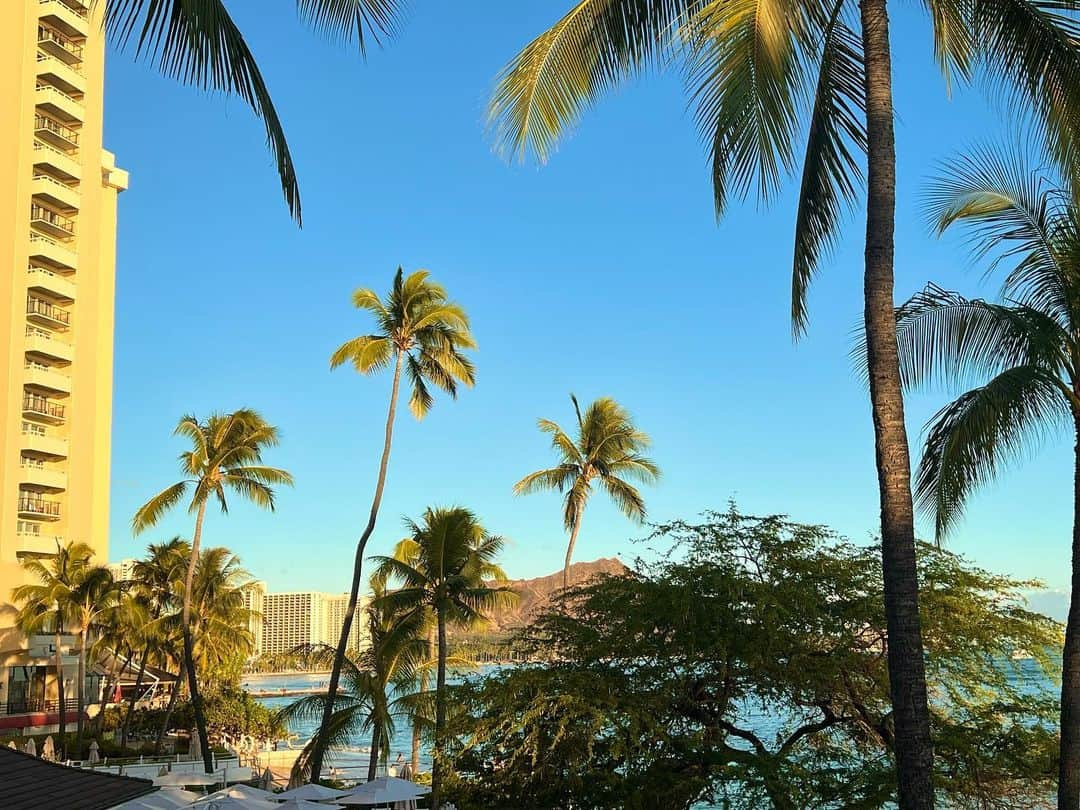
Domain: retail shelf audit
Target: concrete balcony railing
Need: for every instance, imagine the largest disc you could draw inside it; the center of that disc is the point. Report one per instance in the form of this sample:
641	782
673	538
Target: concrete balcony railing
52	223
57	133
50	190
41	311
59	73
62	163
44	376
35	506
39	474
36	406
43	342
46	248
72	20
57	103
55	284
56	43
37	440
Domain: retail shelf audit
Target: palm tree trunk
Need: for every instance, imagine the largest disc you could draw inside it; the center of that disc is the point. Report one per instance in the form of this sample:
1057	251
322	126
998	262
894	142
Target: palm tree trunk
80	690
60	693
570	551
437	765
189	646
416	729
1069	762
373	760
907	677
134	697
169	710
354	591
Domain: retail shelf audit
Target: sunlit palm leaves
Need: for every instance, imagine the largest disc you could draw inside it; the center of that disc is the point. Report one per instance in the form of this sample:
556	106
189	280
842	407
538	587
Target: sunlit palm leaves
196	42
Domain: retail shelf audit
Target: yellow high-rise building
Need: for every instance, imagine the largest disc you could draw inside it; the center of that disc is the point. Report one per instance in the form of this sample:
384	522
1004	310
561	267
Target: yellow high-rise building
58	190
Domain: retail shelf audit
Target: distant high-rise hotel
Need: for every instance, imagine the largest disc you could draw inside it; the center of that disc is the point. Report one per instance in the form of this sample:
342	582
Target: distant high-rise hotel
58	190
300	617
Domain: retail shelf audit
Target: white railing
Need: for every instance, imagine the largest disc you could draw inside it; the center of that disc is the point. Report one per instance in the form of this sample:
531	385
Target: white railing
48	88
77	11
38	145
54	182
45	57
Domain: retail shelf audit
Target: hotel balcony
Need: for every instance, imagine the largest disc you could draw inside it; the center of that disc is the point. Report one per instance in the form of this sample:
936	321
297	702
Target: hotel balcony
42	409
68	18
32	505
57	44
42	342
46	248
39	474
63	163
36	440
52	223
52	191
47	377
56	133
55	284
57	103
57	72
40	311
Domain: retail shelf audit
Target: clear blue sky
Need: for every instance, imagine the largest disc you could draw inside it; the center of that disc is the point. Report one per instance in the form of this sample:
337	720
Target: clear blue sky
602	273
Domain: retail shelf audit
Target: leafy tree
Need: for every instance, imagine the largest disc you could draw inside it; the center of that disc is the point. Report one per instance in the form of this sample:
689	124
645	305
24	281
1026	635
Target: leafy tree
94	597
747	669
199	44
1021	355
445	568
225	457
759	73
607	451
46	605
422	332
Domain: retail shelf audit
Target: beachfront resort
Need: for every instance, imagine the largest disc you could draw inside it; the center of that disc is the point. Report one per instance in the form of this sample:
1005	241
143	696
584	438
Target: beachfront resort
377	444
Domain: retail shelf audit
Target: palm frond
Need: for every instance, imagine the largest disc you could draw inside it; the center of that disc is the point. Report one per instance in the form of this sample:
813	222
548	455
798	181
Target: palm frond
351	19
367	353
557	479
625	496
151	512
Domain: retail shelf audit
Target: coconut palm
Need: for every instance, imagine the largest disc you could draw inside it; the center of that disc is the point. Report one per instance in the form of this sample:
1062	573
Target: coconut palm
445	568
199	44
423	333
759	74
1021	356
45	604
225	457
607	452
94	597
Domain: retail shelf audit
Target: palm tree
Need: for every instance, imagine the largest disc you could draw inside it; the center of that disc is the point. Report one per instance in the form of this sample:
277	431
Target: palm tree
94	597
758	74
446	569
46	605
1022	355
199	44
424	333
225	456
607	451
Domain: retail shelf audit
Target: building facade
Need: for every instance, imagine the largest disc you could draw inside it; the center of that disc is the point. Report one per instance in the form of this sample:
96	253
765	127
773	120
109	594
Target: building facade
306	617
58	194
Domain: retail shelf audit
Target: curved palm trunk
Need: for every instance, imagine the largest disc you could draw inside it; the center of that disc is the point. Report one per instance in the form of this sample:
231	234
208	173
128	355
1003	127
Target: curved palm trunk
417	732
319	751
134	697
373	760
907	677
189	646
62	733
169	710
437	766
1069	763
570	551
80	690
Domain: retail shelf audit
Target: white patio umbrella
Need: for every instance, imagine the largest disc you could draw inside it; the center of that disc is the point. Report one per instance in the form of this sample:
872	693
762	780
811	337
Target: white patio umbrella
231	803
384	790
165	799
245	792
195	746
311	793
182	779
31	747
95	753
11	744
301	804
48	749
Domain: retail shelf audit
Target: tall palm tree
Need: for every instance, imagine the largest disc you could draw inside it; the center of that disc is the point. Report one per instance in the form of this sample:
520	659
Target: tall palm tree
225	457
607	451
422	332
46	605
759	73
199	44
447	570
94	597
1023	357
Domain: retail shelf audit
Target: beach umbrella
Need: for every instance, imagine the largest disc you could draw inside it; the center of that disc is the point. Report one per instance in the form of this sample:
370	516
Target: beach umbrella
267	779
195	746
312	793
301	804
245	792
231	803
181	779
384	790
31	747
12	746
164	799
95	753
48	749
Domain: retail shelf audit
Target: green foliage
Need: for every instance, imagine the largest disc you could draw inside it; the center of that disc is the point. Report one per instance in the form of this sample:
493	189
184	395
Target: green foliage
748	667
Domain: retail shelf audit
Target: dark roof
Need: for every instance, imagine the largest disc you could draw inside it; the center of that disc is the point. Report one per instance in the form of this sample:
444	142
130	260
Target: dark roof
30	783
